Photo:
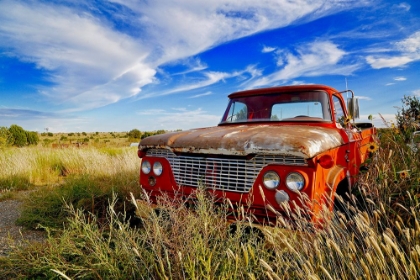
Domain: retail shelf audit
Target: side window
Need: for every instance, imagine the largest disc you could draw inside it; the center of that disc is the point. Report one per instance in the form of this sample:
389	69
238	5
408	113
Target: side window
238	112
338	109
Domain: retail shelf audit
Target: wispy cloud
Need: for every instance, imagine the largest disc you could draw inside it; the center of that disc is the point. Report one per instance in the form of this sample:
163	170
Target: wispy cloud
90	64
185	118
202	94
305	61
406	51
400	79
38	120
24	114
267	49
416	92
404	6
364	97
93	61
208	78
192	65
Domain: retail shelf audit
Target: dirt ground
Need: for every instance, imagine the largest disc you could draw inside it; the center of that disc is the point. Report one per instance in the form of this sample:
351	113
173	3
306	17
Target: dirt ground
12	235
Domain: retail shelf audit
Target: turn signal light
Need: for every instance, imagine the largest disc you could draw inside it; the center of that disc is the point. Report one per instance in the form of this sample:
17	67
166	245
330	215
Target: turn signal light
141	153
326	161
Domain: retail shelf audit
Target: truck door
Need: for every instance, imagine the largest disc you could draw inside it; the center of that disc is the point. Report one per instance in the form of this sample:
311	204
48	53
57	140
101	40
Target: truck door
351	151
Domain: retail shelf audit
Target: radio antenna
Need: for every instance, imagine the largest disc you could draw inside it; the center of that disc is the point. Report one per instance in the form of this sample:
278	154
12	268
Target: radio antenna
347	94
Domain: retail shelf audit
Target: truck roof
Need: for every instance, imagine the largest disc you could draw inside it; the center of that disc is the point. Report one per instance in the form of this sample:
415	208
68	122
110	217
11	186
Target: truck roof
273	90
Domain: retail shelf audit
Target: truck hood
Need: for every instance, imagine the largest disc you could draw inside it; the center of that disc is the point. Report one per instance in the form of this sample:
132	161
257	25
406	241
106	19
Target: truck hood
242	140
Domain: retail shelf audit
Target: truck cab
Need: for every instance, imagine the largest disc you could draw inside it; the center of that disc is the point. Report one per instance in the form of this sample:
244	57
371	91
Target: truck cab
276	149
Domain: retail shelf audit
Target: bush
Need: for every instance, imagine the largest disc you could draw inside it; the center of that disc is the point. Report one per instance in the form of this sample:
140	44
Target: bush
5	137
18	135
134	134
32	137
408	117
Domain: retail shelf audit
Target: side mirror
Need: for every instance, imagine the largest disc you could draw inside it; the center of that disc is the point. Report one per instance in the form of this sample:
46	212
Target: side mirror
353	107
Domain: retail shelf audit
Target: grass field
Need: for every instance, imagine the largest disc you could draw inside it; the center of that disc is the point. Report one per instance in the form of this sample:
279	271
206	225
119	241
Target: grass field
84	197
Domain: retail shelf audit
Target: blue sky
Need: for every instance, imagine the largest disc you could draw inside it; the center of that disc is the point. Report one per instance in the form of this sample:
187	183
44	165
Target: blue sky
81	65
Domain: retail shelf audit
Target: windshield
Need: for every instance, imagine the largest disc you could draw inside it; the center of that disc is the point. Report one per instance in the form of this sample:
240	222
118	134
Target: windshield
285	106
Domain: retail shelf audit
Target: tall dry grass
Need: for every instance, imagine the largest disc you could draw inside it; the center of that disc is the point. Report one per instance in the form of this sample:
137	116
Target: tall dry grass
21	168
378	239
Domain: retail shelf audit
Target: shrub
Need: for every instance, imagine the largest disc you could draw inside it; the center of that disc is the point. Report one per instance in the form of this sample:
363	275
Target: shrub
134	134
408	117
32	137
5	137
18	135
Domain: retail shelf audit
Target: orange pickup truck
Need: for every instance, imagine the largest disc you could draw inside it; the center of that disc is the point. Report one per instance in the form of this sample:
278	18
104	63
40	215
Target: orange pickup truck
273	147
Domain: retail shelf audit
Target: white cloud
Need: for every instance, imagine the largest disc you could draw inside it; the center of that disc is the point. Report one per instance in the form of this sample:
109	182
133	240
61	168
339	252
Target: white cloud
364	98
91	63
210	78
151	112
193	65
409	51
411	44
389	84
312	59
387	62
185	118
268	49
416	92
201	95
400	79
404	6
190	26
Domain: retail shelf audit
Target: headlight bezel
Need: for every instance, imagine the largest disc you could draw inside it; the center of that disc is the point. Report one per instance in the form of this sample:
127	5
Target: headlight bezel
269	180
295	181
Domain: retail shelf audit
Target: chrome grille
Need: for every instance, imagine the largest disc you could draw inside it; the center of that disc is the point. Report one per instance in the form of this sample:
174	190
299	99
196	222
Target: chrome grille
227	174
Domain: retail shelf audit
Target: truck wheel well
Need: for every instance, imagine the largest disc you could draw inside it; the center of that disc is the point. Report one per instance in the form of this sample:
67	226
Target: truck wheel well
342	197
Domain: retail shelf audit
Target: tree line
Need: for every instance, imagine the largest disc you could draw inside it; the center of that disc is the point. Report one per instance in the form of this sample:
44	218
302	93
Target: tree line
17	136
136	134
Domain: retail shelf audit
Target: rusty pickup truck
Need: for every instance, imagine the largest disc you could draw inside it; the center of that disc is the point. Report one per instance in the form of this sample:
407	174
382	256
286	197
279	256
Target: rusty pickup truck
272	147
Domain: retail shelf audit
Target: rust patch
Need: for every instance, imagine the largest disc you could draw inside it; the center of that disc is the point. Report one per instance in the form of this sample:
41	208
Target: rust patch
297	140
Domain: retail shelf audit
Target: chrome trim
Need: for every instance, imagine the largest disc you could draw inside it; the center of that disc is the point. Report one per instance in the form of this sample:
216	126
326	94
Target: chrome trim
234	174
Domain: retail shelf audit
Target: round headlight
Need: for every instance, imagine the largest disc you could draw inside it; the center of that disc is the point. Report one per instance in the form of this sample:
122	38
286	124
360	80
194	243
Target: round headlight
145	166
295	181
281	197
271	180
157	168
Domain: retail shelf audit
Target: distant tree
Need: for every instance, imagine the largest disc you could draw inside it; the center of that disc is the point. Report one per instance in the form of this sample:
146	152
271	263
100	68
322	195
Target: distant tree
84	133
50	134
146	134
70	134
32	137
18	135
134	134
5	137
408	117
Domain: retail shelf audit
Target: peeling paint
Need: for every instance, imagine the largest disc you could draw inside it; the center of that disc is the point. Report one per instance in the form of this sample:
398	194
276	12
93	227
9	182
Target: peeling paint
297	140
